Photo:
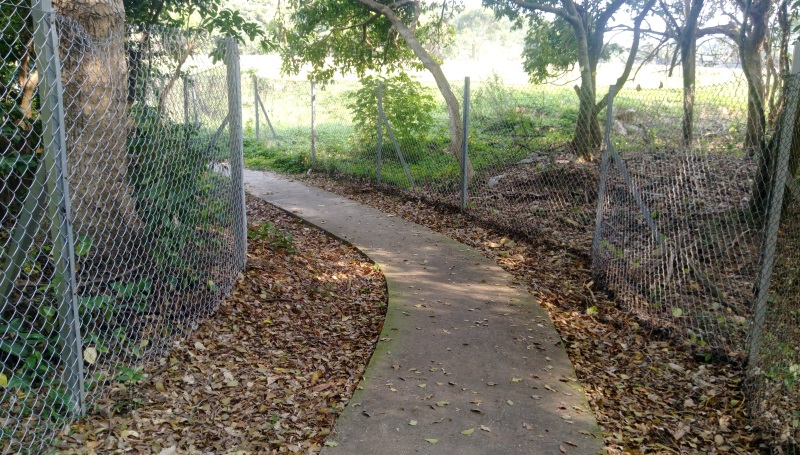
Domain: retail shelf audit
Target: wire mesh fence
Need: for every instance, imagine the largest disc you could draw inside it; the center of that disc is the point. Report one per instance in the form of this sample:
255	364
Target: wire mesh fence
676	218
675	240
121	213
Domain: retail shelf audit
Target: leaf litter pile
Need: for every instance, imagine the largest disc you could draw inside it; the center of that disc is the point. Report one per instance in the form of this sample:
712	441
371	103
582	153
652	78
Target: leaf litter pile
270	372
649	393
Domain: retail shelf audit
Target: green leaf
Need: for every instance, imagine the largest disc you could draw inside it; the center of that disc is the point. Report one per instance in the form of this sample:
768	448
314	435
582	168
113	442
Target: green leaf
331	443
432	440
83	245
677	312
468	432
442	404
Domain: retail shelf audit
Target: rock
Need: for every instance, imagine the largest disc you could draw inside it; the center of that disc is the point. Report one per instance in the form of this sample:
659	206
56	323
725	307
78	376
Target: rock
618	128
495	180
625	115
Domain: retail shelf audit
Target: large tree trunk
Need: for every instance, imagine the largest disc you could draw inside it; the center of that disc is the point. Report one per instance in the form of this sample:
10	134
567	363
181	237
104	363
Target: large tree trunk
97	123
588	135
587	130
453	108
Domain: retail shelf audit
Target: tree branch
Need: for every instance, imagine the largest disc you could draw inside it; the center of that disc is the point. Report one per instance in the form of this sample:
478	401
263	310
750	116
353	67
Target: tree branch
728	30
671	18
631	56
531	6
602	22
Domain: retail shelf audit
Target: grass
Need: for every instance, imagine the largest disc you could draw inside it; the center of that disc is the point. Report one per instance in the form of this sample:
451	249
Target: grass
507	124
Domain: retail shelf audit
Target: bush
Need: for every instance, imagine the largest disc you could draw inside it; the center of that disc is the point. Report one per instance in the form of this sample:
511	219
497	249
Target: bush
257	155
407	105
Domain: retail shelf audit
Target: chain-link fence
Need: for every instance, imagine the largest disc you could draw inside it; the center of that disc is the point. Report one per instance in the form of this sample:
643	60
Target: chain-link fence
121	206
675	237
675	205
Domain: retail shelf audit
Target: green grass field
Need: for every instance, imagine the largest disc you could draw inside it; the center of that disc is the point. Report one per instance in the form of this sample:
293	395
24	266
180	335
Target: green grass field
507	123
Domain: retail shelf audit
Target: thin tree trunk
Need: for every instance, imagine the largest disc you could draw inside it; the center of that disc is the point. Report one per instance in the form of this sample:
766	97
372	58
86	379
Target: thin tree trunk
753	37
95	96
688	47
453	108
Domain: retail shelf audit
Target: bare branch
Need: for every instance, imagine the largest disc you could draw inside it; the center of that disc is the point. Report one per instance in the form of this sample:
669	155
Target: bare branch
532	6
632	55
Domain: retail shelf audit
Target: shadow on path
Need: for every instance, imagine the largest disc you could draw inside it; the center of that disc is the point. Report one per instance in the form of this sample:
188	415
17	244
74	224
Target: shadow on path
463	346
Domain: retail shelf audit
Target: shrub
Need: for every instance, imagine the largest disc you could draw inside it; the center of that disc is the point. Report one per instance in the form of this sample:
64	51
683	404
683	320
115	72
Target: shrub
407	105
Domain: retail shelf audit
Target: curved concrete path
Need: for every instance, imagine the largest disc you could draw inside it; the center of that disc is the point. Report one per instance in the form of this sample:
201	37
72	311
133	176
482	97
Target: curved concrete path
468	363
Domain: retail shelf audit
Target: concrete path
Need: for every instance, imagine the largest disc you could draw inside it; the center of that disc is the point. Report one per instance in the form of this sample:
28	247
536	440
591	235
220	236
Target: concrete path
468	363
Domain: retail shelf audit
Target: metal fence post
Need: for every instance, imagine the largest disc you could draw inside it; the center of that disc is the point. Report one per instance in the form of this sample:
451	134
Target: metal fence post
380	131
58	208
774	212
237	147
313	125
604	165
186	116
255	105
465	146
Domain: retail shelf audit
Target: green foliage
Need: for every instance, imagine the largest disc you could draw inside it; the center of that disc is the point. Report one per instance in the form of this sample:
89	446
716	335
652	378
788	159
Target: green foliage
269	233
550	49
18	134
131	375
344	36
209	15
257	155
406	103
173	187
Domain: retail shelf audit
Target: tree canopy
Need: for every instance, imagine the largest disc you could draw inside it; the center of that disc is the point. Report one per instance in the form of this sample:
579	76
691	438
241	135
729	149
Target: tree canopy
347	36
209	15
566	32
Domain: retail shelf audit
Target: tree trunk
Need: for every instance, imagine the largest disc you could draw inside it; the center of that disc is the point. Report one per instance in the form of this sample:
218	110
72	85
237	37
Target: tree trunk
587	131
453	108
753	38
97	122
688	45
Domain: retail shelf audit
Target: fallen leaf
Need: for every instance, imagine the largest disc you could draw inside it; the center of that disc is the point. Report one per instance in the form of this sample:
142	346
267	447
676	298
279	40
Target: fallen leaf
413	423
331	443
469	431
90	355
432	440
442	403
